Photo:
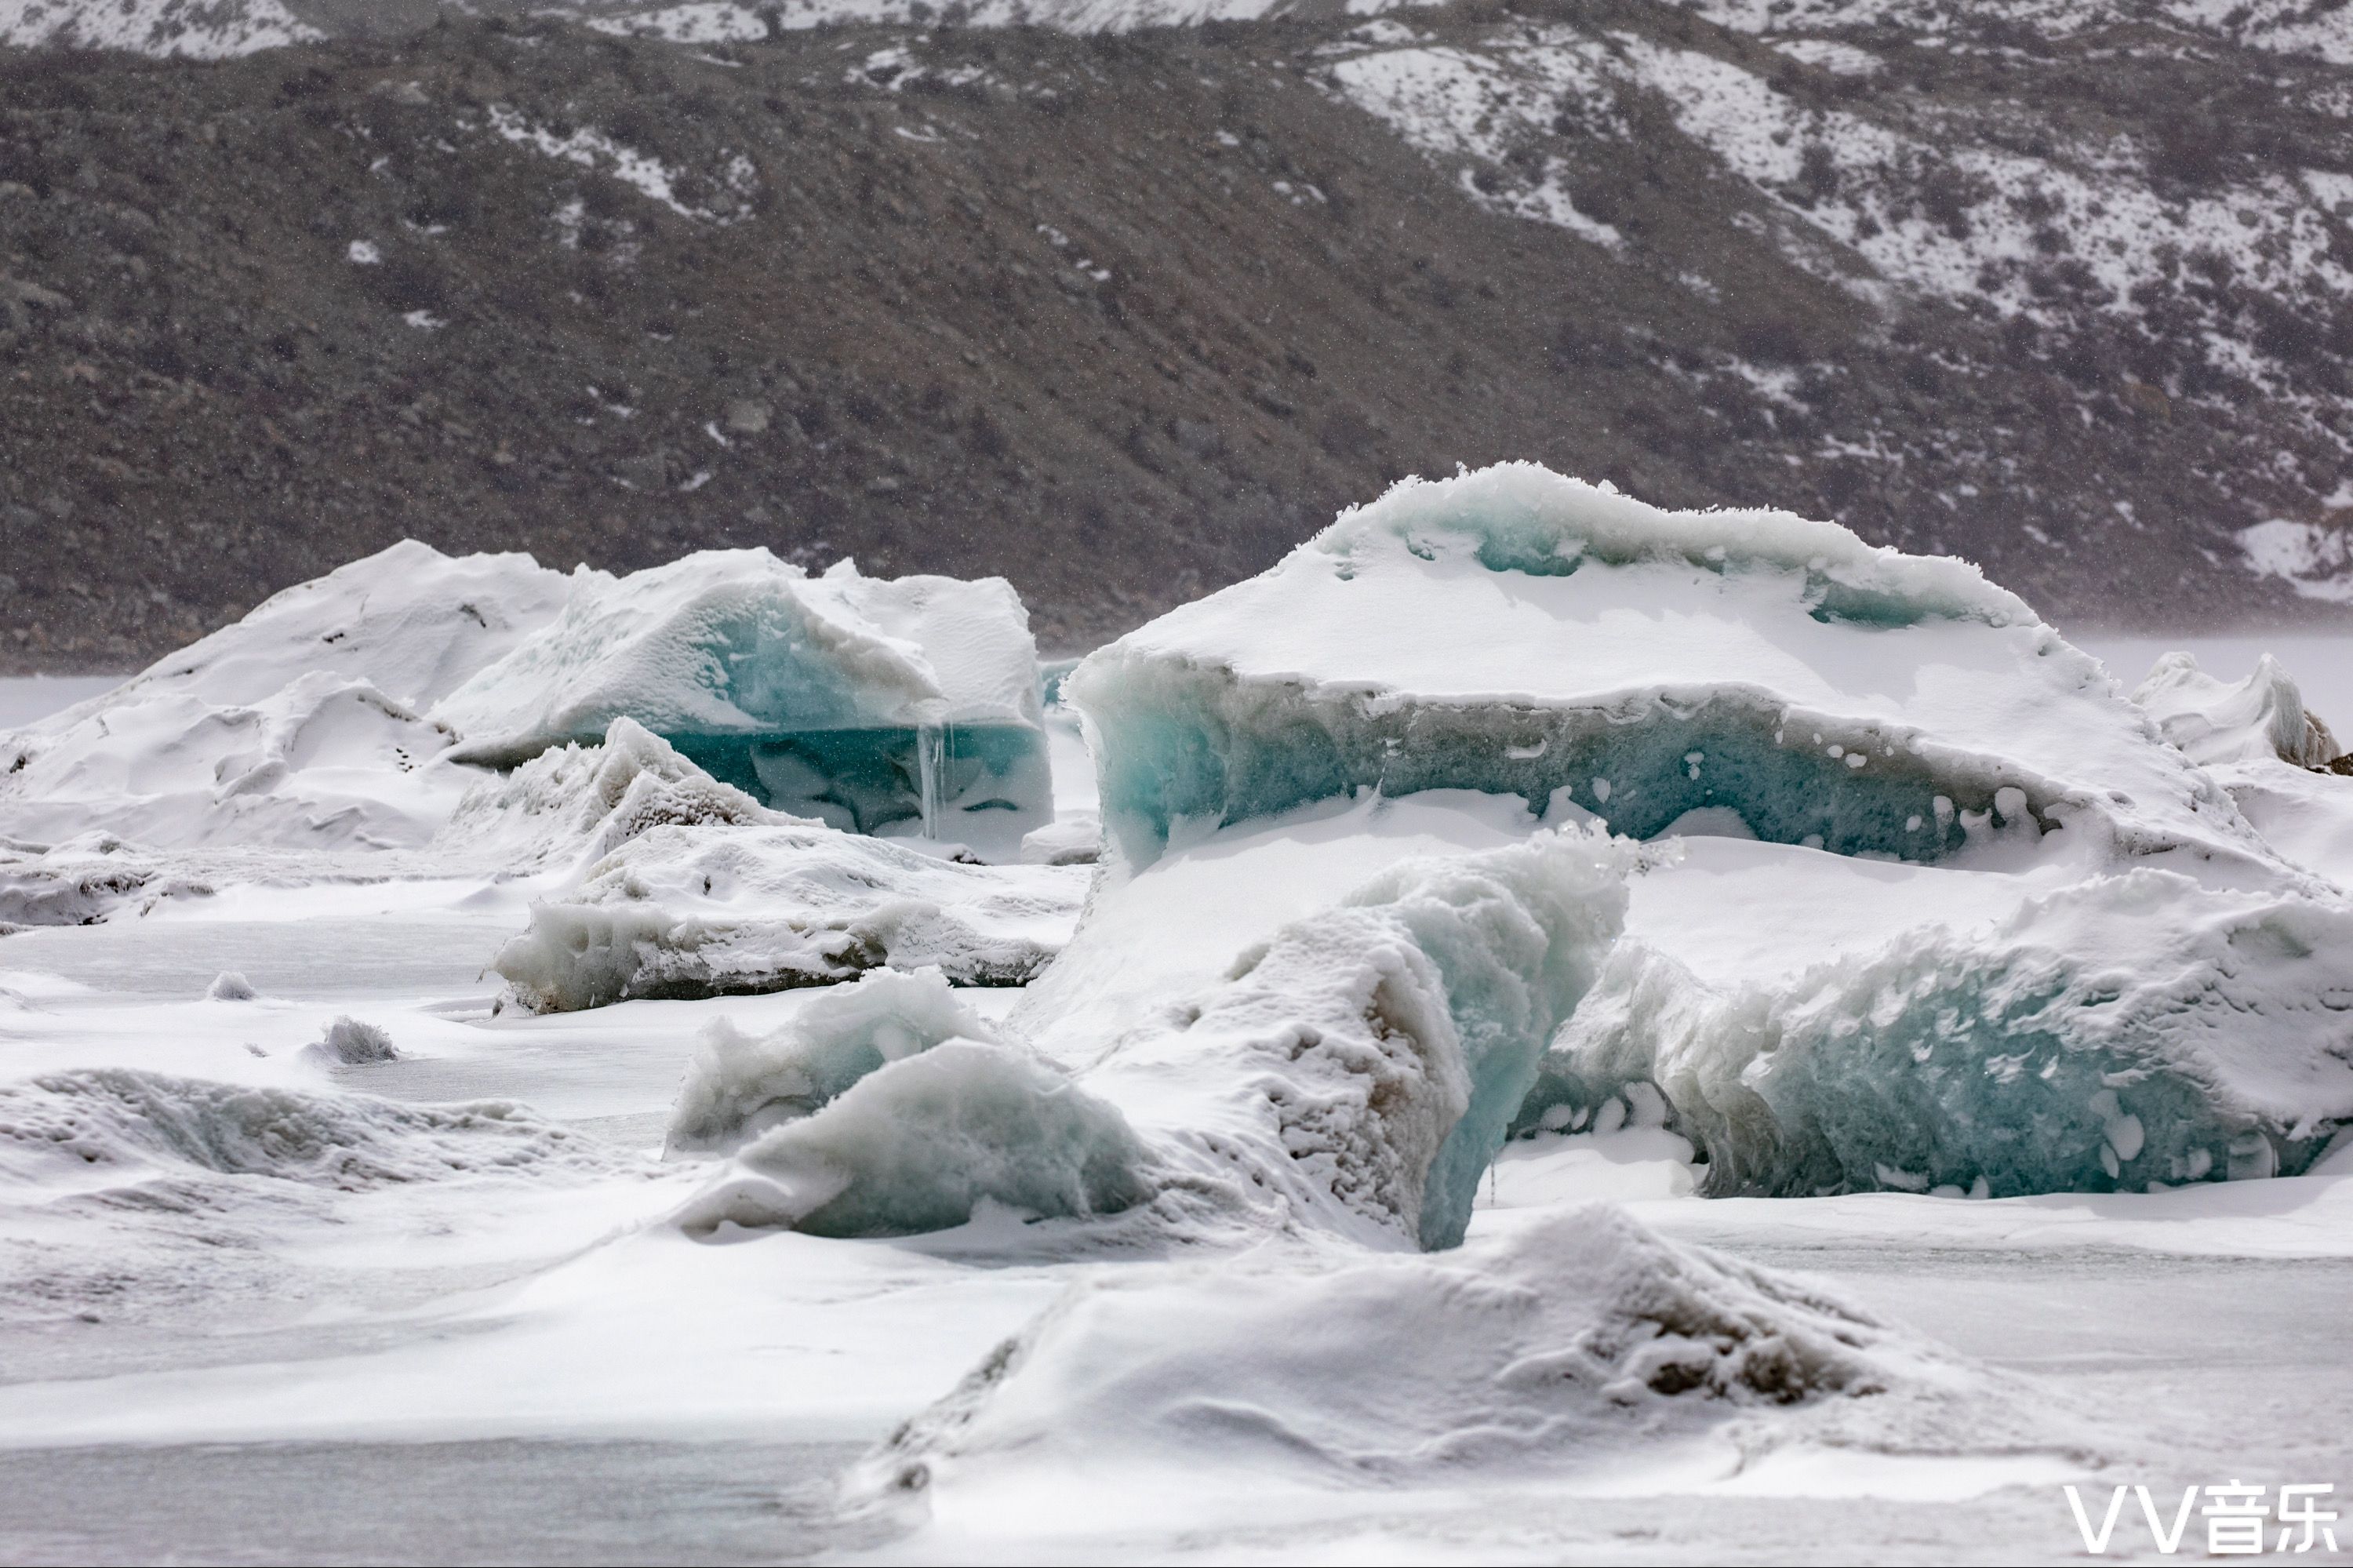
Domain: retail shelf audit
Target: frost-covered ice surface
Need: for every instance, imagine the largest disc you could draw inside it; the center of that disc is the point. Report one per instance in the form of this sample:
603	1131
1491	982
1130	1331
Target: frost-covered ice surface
1340	1190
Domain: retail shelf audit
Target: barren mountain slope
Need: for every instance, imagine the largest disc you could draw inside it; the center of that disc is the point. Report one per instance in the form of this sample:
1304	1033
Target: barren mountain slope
1123	316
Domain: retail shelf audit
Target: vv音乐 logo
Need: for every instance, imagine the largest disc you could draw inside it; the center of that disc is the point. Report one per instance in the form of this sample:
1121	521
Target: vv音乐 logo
2238	1518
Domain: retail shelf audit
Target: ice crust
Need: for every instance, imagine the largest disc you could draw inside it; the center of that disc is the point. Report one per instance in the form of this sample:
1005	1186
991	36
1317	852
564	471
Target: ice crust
738	1086
680	912
2125	1032
1514	632
1557	1349
863	700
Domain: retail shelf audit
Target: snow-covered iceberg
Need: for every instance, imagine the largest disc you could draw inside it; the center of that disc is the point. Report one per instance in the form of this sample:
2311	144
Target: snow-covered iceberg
871	704
737	1086
1351	1070
1575	1343
2122	1033
2212	721
2274	758
686	911
302	727
2078	964
1514	631
923	1143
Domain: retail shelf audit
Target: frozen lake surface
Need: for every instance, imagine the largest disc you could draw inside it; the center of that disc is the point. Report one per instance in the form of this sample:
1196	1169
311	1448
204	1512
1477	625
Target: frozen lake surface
539	1365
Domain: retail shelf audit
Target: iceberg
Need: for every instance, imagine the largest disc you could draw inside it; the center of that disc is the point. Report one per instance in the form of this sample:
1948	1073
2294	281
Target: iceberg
682	911
925	1142
1352	1070
1354	1065
2128	1032
1512	631
2212	721
2014	842
873	704
737	1086
2273	756
303	727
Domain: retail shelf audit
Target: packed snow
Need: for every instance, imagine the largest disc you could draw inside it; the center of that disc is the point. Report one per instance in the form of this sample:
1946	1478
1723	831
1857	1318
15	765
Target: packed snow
1538	1026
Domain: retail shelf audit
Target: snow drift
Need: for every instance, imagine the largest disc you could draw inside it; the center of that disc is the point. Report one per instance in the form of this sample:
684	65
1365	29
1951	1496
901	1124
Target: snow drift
867	702
1565	1346
1514	632
101	1126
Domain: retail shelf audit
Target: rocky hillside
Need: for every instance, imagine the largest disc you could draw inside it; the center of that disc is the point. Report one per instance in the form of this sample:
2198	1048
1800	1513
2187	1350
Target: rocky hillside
2062	287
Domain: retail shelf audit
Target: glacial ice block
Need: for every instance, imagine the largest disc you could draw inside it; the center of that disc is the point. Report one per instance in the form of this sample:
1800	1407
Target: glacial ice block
920	1144
2121	1032
2213	721
695	911
738	1086
871	704
1517	632
1353	1067
2268	752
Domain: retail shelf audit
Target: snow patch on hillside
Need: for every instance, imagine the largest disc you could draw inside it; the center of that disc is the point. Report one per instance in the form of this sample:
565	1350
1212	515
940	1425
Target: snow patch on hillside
185	29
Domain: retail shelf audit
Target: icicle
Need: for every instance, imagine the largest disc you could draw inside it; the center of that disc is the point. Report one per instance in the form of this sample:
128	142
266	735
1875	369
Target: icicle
931	765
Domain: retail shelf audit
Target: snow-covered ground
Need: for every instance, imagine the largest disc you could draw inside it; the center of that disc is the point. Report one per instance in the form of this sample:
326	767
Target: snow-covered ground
531	1366
328	1232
